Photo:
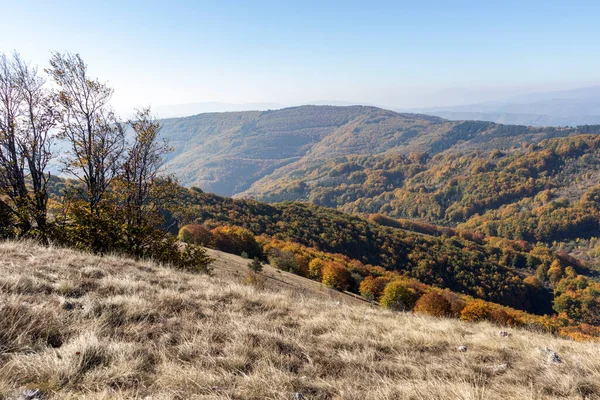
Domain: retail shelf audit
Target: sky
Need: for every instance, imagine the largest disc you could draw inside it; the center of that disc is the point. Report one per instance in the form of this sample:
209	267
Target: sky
397	54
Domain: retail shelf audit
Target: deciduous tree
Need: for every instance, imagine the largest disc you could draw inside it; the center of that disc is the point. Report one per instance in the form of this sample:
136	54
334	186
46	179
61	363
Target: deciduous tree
26	119
94	134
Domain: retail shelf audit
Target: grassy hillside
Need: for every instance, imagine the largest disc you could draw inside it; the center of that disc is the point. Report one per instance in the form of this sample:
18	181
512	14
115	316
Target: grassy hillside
226	153
79	326
233	268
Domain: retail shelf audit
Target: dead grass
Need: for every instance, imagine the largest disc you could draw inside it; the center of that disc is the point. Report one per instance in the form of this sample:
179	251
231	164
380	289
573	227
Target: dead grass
78	326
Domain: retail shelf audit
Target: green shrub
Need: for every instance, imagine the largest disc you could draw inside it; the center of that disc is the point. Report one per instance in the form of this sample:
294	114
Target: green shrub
283	259
189	257
398	296
255	266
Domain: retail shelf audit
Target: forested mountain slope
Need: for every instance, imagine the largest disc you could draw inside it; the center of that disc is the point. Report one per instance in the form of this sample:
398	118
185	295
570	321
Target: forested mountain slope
226	153
542	192
458	263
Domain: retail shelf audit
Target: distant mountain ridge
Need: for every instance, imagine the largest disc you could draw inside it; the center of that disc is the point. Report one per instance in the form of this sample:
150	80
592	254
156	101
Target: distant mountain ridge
227	153
184	110
519	118
573	107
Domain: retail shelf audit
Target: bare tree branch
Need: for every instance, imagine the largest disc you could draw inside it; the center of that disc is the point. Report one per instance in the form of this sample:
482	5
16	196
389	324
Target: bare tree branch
26	118
96	136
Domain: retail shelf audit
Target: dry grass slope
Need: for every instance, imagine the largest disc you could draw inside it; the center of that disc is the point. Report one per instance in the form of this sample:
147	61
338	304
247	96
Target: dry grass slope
79	326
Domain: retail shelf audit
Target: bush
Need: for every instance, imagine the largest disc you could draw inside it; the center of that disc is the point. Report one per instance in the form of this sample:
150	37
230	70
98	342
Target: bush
399	296
194	259
335	276
195	234
189	257
568	304
315	268
6	221
532	282
435	304
371	288
99	232
501	317
256	279
555	272
457	303
477	310
541	272
284	260
255	266
236	240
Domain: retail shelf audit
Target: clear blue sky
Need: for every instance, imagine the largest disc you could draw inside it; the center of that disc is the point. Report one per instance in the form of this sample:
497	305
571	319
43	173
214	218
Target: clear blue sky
400	53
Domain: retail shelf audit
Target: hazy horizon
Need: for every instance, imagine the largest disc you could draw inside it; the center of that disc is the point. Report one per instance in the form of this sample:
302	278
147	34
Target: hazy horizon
395	55
188	109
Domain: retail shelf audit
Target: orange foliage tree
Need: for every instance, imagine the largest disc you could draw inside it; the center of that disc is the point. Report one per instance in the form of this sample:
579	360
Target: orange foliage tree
195	234
371	287
434	303
335	275
315	268
477	310
236	240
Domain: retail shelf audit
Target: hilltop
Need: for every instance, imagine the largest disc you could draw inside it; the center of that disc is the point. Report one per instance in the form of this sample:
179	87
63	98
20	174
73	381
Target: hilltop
81	326
227	153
